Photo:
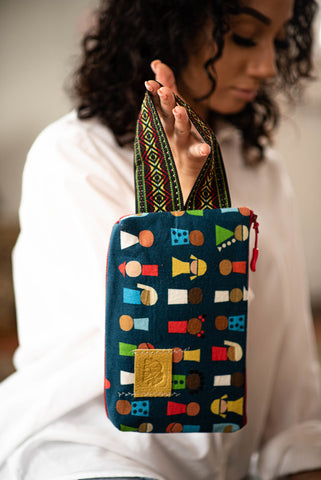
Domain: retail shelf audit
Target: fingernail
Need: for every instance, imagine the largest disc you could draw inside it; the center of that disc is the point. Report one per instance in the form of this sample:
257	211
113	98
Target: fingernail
161	92
203	151
176	112
148	86
154	63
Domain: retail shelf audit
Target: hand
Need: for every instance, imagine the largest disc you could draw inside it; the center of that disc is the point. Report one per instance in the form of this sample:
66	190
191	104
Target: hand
188	148
164	75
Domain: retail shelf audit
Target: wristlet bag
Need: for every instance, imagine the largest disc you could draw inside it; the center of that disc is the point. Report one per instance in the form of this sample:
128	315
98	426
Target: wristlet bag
177	295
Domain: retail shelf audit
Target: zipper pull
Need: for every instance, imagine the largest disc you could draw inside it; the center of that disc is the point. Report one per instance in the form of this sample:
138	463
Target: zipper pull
255	252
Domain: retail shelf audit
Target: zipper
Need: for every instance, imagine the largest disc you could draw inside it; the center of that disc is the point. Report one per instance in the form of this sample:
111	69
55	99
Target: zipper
255	252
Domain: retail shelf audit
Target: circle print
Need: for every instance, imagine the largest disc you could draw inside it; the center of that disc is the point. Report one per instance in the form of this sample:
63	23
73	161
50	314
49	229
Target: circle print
195	296
221	322
123	407
133	268
228	429
225	267
146	238
194	326
177	354
236	295
174	428
178	213
193	381
192	409
196	238
145	346
126	323
148	297
145	427
246	212
241	233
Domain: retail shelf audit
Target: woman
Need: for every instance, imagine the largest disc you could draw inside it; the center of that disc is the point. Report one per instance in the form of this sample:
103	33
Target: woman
226	60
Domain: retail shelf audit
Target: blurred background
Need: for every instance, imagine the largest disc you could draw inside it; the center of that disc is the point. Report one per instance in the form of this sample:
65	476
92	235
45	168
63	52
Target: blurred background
39	47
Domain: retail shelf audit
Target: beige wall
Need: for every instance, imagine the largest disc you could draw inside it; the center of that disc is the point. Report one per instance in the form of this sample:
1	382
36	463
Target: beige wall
38	47
38	44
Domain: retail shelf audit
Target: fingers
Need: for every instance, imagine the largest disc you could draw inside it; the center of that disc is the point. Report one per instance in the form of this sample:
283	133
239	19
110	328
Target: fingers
164	75
167	102
164	101
152	87
183	137
182	126
185	133
199	150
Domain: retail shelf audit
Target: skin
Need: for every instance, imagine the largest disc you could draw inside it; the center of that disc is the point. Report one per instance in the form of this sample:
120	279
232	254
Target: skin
240	72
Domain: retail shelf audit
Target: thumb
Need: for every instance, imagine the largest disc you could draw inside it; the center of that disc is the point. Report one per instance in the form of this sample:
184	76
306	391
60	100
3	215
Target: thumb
164	75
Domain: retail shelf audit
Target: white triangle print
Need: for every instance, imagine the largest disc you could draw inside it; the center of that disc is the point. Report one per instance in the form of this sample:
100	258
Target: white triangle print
127	240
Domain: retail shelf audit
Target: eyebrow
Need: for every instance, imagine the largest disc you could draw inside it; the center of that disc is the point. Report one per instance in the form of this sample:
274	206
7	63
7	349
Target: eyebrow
255	13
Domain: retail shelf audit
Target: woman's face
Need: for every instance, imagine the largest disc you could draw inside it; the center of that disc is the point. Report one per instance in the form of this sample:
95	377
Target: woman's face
247	60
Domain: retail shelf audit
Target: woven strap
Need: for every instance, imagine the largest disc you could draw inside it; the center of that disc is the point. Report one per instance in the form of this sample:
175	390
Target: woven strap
156	179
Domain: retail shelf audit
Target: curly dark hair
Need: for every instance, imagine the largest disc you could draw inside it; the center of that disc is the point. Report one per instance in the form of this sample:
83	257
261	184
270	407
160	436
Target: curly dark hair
109	84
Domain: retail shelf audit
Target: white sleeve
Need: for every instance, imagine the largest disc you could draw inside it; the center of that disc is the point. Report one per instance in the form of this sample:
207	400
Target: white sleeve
76	184
71	198
292	441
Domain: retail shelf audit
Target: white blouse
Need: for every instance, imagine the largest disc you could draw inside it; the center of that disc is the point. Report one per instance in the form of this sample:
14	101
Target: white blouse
77	182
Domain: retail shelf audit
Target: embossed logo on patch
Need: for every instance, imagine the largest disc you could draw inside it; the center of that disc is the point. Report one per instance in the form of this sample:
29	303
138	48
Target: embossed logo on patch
153	373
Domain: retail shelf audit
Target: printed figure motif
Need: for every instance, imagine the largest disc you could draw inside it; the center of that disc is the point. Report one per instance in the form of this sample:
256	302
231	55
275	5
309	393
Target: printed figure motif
145	239
135	269
178	296
226	267
180	237
195	267
233	352
225	237
191	409
148	295
234	323
235	295
194	381
138	408
222	405
193	326
236	379
126	323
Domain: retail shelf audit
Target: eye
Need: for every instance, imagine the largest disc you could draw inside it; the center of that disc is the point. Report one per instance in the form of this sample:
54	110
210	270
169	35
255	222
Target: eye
243	41
281	43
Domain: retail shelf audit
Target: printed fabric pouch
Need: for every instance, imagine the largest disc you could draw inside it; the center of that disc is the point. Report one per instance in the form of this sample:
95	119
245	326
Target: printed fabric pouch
177	295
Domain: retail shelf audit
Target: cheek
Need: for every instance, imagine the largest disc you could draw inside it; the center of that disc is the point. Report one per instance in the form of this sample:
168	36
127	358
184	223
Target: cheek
228	74
231	66
228	68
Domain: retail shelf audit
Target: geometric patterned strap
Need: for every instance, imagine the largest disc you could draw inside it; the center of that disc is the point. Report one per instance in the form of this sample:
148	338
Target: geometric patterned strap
156	179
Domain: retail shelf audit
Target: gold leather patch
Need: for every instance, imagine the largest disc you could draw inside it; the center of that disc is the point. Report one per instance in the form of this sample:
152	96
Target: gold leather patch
153	372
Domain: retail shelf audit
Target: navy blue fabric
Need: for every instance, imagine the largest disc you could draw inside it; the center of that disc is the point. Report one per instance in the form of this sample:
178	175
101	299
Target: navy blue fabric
215	299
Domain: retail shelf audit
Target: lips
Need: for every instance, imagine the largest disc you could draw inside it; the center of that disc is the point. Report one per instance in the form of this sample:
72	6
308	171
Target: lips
246	94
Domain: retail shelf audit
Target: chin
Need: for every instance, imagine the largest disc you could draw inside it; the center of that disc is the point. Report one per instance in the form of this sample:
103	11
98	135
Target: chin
232	108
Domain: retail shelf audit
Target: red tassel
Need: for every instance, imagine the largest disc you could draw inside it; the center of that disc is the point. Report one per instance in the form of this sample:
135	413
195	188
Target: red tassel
255	253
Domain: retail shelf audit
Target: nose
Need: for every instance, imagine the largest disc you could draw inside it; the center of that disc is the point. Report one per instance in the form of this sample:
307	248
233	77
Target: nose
262	65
